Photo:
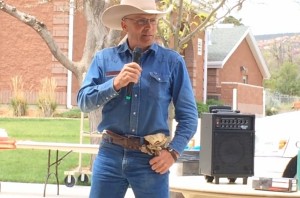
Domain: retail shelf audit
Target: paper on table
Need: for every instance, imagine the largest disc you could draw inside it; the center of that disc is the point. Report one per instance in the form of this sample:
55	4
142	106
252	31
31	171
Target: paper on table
5	142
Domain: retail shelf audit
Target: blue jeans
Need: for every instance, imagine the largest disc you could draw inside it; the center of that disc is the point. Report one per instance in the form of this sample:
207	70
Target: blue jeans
115	168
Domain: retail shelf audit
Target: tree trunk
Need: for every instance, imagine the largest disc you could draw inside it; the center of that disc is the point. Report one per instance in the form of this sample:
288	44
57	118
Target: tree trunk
94	119
170	118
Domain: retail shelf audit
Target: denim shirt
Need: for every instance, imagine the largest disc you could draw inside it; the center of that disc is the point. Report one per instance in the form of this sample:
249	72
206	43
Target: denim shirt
164	78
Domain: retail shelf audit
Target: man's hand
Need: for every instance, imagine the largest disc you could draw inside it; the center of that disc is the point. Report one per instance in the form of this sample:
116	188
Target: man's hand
162	163
131	72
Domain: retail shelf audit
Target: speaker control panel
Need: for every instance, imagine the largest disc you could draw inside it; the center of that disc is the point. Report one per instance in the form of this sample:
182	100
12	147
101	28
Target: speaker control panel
233	122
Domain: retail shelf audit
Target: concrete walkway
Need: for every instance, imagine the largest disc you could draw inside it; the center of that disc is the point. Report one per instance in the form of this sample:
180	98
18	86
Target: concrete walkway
26	190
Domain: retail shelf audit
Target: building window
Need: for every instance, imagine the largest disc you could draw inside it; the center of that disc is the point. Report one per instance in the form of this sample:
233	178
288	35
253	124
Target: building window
245	79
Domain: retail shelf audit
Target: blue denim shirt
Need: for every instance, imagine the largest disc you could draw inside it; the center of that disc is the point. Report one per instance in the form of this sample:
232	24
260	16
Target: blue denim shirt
164	78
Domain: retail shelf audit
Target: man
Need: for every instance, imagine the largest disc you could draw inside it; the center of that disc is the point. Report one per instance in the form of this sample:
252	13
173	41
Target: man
134	123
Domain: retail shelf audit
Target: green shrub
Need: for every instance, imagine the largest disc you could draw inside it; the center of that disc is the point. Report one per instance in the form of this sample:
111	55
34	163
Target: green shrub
210	102
271	111
204	108
72	113
19	106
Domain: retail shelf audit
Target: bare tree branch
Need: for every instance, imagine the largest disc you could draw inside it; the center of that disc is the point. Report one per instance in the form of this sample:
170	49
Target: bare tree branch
209	20
182	32
42	30
178	25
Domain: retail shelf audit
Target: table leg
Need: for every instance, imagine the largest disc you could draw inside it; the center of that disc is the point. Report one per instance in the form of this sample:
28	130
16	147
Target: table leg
49	173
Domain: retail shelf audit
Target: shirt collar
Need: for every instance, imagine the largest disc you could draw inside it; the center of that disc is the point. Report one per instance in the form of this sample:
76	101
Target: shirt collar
124	47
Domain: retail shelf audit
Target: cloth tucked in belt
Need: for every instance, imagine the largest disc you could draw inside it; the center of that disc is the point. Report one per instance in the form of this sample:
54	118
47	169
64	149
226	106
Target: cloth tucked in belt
150	144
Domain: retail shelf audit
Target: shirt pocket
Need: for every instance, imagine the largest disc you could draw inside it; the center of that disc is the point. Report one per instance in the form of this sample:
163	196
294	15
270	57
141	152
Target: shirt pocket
159	85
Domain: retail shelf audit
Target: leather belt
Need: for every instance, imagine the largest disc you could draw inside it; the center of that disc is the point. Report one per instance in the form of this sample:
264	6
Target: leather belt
128	142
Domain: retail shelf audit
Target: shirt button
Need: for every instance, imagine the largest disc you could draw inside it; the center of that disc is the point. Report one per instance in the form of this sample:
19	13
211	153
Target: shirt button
135	95
106	98
133	130
134	113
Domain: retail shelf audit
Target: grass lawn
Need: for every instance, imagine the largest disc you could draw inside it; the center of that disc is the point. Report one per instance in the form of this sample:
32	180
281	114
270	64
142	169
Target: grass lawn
25	165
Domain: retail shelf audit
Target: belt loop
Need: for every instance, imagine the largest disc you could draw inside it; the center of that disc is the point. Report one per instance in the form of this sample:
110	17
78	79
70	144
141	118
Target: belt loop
142	141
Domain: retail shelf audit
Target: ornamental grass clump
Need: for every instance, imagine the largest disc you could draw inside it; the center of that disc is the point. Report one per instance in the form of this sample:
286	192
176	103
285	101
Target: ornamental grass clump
18	100
47	97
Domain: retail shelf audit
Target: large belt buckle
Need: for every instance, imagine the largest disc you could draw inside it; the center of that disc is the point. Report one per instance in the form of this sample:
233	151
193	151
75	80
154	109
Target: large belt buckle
131	136
104	133
105	136
136	140
140	140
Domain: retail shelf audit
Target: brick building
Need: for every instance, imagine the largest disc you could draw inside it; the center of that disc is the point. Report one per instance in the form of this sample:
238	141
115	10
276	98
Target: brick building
24	53
236	69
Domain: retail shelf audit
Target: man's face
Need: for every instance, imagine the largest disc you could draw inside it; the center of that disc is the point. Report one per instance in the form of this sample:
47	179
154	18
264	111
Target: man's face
141	29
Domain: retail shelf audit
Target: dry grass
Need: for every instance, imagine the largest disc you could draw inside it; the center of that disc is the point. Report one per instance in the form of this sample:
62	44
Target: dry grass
18	100
47	96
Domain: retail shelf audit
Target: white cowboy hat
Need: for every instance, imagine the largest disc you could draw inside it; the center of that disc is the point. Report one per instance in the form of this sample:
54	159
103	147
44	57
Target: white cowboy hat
113	15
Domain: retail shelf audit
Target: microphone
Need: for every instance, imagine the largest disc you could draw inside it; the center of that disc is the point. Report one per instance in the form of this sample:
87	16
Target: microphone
137	53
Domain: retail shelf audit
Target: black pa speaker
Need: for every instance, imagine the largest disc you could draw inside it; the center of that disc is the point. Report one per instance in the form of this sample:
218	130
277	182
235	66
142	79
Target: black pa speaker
218	108
227	146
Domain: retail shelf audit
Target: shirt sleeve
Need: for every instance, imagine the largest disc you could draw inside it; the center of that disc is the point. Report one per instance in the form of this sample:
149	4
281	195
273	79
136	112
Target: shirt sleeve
186	113
95	91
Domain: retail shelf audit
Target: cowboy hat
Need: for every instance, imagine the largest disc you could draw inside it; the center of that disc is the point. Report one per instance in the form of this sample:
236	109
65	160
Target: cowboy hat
113	15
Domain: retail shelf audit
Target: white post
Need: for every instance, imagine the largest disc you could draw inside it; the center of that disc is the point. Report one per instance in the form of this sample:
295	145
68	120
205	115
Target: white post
234	99
206	43
70	54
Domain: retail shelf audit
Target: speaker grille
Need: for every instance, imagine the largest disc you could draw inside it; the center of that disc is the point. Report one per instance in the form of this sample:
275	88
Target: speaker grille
233	153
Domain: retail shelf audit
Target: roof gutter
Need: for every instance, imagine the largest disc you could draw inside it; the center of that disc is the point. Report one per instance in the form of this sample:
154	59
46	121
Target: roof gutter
215	64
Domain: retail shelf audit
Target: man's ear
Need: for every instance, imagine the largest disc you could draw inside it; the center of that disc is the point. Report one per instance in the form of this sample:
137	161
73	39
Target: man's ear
124	26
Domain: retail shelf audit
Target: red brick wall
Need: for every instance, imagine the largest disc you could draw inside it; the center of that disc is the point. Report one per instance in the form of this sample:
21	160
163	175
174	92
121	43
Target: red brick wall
249	98
242	56
212	81
195	63
24	53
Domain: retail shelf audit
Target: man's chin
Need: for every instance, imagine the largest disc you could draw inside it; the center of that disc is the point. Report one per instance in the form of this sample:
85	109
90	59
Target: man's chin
147	39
